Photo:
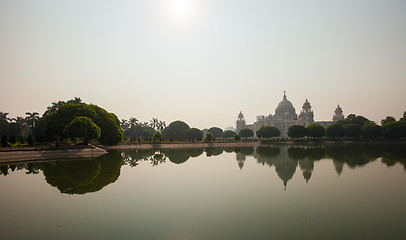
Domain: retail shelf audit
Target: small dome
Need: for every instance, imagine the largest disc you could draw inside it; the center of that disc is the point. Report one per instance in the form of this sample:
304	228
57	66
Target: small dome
306	104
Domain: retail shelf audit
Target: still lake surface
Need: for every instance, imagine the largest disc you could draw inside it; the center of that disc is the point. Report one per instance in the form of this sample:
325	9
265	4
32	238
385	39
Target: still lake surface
355	191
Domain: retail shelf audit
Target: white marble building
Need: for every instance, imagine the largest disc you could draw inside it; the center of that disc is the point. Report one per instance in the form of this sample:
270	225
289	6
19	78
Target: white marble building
285	116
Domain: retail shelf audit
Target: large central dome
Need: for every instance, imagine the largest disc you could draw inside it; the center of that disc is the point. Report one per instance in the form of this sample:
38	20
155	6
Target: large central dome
285	106
285	110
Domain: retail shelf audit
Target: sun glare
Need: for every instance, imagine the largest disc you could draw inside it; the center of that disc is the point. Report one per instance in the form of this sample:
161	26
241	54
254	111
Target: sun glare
181	9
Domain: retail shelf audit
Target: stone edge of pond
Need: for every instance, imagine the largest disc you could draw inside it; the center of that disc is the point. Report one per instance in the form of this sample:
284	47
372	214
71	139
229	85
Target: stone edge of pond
38	154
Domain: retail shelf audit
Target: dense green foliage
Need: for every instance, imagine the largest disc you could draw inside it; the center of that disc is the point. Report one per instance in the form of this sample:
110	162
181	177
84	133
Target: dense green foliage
80	177
237	137
209	137
216	132
352	130
158	136
394	130
387	119
297	131
4	140
176	130
354	119
335	131
246	133
138	132
111	133
194	134
82	127
371	131
228	134
315	130
268	132
12	139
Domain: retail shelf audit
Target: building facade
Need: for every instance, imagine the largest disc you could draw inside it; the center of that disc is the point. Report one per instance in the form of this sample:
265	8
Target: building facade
285	116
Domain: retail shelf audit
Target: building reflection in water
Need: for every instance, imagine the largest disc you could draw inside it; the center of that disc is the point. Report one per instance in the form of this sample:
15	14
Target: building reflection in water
286	158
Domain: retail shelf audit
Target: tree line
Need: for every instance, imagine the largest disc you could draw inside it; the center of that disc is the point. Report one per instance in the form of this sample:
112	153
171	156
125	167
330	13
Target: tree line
74	120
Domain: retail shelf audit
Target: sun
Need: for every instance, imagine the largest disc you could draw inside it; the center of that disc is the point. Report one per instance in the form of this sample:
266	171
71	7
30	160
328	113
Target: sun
181	9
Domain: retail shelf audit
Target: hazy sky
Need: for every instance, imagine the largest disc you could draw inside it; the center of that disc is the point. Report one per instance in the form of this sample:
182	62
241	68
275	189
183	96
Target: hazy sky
204	61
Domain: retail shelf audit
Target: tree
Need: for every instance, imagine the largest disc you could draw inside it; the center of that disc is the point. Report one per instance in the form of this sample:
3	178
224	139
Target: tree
30	140
158	136
133	122
268	132
111	132
388	119
161	125
315	130
139	131
403	119
217	132
154	123
124	124
352	130
4	140
237	137
353	119
32	118
209	137
12	139
246	133
56	105
194	134
335	131
228	134
394	130
82	127
371	131
176	130
297	131
3	117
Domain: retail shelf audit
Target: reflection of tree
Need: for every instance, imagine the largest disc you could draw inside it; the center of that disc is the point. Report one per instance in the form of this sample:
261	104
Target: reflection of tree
247	150
393	153
297	153
83	176
4	169
176	155
228	149
266	155
316	153
194	152
354	155
132	158
213	151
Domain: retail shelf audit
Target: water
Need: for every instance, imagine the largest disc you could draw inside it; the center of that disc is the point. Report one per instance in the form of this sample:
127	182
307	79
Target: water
279	192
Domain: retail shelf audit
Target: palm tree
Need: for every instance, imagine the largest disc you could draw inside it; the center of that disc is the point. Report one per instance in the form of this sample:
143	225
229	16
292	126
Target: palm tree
154	123
3	117
32	118
133	122
161	125
125	124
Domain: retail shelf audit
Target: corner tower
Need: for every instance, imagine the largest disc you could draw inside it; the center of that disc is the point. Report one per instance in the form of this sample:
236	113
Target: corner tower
338	114
306	116
240	122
